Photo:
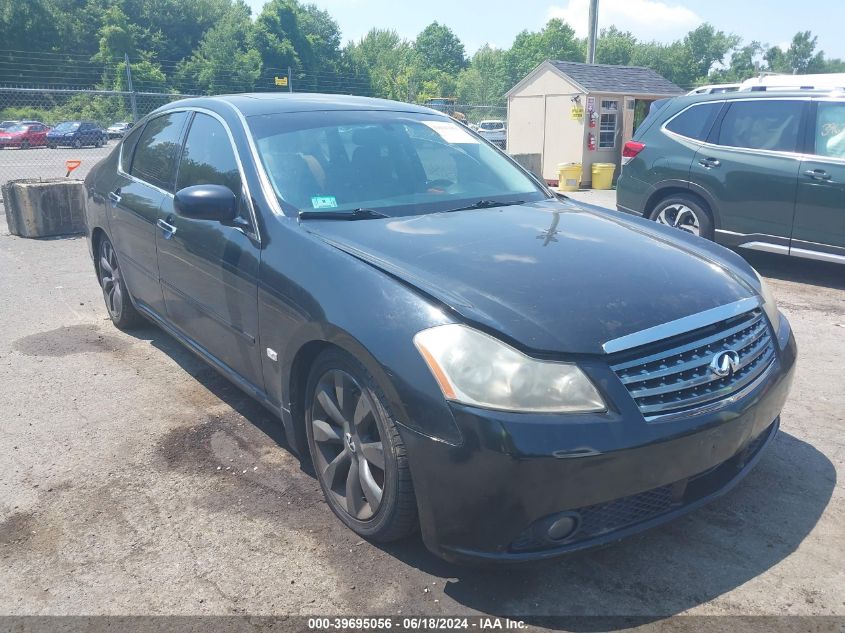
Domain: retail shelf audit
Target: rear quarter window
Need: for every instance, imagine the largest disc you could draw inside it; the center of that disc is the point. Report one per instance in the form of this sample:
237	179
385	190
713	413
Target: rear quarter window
696	121
128	149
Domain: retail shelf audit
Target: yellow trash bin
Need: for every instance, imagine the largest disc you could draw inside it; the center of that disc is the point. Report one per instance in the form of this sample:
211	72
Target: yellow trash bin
603	175
569	176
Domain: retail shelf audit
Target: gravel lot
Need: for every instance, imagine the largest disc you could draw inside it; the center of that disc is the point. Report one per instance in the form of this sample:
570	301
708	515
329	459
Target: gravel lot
135	480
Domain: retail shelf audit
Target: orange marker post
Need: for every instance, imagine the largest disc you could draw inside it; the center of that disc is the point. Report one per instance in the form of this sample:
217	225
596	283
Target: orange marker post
71	165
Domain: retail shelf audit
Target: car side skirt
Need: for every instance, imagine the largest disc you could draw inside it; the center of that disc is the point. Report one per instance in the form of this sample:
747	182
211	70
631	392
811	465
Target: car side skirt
782	246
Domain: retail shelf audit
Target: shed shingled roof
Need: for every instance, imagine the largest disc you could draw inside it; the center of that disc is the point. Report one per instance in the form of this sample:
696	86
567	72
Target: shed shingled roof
617	79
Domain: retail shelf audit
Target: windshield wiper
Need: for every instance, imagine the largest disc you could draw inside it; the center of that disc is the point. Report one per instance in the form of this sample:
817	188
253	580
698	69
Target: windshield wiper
486	204
355	214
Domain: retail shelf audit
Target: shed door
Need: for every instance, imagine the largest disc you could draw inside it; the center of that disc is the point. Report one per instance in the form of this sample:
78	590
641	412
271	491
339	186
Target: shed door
564	135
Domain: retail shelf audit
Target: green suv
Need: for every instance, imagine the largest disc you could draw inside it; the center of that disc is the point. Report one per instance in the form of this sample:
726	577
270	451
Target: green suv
758	170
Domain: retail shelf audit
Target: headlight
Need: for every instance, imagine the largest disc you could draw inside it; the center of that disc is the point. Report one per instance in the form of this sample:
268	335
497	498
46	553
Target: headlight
479	370
770	306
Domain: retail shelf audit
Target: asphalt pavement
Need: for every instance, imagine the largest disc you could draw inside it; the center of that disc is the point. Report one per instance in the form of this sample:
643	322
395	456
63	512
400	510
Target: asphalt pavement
136	480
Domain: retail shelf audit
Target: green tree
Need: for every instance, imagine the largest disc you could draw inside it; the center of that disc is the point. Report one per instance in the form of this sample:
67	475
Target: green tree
484	81
615	47
225	60
386	60
704	47
556	41
440	49
289	34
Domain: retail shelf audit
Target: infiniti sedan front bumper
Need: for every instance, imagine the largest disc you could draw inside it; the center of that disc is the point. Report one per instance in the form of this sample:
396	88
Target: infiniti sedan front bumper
589	479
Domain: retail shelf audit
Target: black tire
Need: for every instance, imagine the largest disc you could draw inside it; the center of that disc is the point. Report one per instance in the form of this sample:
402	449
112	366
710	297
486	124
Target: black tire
119	304
684	212
350	463
77	144
51	146
24	144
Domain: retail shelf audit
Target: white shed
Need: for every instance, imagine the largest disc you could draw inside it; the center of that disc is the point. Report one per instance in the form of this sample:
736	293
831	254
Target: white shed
550	113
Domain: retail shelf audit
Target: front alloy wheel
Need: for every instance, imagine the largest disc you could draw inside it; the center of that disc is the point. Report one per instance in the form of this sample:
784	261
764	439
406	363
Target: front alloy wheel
358	455
350	451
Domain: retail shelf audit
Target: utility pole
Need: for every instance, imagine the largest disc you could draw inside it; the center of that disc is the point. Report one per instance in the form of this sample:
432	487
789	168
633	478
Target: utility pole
131	90
592	31
290	80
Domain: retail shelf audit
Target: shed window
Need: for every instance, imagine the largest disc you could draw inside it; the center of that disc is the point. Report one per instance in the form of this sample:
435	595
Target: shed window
607	124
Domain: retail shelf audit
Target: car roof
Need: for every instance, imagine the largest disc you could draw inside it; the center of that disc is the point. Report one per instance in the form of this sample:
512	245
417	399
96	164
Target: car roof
262	103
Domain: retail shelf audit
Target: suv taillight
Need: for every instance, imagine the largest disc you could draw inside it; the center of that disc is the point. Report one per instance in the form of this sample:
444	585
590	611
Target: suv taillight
631	149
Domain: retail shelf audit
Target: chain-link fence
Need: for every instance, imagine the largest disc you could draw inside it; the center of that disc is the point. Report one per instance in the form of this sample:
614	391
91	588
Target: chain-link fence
88	118
91	120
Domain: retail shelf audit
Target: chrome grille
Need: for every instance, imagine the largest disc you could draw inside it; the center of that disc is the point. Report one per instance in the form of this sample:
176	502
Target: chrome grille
673	376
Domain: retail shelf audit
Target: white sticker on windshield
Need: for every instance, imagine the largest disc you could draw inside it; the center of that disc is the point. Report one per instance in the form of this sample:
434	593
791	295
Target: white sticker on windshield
324	202
451	132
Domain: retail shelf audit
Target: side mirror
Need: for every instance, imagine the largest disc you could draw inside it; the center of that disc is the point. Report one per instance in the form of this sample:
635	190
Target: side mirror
206	202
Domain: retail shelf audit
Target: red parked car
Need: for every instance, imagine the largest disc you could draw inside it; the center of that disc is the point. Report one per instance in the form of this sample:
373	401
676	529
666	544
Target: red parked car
25	135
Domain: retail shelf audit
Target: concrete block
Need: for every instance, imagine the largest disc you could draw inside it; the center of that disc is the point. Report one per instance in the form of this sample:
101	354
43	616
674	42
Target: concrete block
44	208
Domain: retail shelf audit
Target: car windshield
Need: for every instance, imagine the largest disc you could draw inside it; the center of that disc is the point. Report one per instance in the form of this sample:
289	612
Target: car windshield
398	163
66	127
492	125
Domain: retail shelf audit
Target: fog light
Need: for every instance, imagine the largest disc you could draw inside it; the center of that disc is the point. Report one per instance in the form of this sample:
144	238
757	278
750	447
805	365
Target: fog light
562	528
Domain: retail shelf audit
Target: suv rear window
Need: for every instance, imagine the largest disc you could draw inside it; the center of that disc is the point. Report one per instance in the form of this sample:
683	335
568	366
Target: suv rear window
695	122
762	124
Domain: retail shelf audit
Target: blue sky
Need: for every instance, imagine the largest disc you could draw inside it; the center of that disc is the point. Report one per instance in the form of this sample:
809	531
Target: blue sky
498	21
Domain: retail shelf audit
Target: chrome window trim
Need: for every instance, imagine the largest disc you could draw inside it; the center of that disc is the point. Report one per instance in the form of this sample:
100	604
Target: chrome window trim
676	135
741	150
682	325
253	231
263	178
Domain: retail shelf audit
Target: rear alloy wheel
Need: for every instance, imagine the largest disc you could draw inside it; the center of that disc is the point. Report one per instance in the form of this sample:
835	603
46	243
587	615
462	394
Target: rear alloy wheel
77	144
24	144
358	455
684	213
118	302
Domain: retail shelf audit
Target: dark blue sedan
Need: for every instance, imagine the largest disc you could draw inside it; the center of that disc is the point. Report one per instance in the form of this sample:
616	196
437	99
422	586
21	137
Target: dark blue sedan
77	134
453	346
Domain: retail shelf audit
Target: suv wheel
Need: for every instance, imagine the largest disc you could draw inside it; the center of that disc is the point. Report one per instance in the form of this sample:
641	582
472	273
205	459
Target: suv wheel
684	213
359	457
77	143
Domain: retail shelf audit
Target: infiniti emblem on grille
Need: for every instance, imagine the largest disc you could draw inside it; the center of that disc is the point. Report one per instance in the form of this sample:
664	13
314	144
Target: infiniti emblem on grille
725	363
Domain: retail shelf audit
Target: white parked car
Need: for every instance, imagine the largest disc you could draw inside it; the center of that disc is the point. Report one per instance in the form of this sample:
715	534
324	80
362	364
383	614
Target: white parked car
118	129
494	131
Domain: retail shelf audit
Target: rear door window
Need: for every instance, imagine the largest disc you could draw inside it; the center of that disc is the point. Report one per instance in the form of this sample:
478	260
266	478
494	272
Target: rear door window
695	122
157	149
764	124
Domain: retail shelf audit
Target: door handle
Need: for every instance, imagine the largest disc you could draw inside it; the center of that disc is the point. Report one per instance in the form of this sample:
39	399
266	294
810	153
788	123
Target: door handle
114	196
709	163
817	174
168	229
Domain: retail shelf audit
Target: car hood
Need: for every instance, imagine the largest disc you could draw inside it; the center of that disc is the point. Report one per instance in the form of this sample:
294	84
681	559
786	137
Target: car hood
551	276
